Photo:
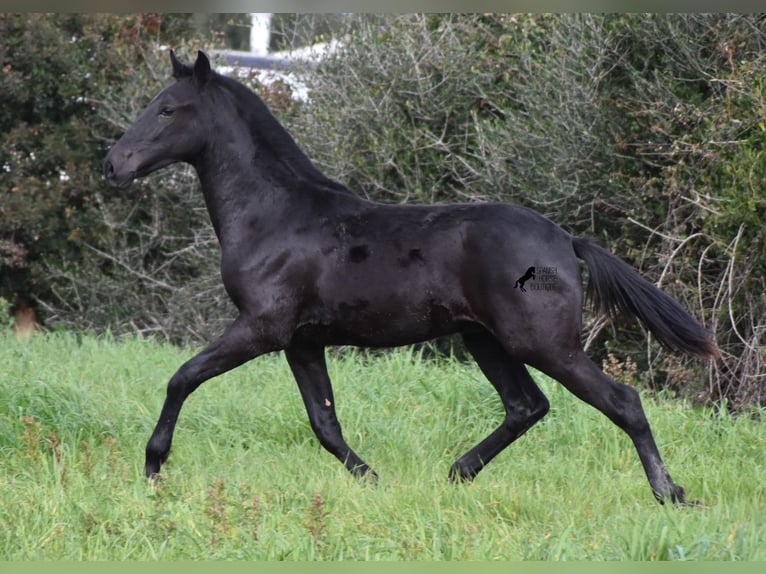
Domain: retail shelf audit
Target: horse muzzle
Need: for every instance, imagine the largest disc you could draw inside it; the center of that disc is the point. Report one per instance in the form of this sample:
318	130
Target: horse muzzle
117	170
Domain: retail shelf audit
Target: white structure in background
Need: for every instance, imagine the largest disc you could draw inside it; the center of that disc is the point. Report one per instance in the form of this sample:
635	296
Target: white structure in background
260	33
271	66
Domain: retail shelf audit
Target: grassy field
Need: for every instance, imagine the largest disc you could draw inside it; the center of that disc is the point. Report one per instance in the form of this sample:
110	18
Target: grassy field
248	480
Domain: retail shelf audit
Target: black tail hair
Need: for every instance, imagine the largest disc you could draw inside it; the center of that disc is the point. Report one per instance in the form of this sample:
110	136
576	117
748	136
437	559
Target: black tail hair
615	287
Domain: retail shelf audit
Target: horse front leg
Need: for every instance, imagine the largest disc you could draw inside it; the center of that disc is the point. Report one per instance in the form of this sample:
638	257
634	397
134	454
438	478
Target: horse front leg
310	370
236	346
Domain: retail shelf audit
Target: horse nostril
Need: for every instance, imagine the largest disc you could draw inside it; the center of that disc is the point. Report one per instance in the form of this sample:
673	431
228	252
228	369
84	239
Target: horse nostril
108	170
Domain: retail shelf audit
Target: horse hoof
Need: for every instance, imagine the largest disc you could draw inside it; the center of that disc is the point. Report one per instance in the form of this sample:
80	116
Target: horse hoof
362	471
371	476
460	473
677	496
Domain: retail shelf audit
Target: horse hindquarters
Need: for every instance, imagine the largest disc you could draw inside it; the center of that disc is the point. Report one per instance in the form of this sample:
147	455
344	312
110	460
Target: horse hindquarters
542	328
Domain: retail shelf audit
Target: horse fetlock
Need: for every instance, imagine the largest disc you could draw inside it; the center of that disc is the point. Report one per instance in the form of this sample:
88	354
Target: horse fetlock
153	464
152	469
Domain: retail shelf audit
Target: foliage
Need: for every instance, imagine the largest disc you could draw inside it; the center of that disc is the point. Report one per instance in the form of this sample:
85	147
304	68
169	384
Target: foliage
689	104
292	31
247	479
55	122
645	131
232	30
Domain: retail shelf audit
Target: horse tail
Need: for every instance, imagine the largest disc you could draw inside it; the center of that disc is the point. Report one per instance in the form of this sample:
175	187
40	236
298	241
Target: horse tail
614	287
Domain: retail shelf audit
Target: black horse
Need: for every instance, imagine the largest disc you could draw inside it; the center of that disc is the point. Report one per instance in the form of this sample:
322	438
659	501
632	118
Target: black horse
308	264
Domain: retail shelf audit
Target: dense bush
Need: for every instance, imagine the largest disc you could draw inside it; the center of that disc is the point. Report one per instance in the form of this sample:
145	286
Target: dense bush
644	131
87	255
59	75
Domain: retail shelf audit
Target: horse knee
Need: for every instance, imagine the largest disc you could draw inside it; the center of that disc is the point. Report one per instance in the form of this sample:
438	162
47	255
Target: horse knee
520	418
530	411
330	441
328	432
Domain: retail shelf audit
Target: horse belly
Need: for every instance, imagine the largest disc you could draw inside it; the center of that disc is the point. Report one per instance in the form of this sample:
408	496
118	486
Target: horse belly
372	319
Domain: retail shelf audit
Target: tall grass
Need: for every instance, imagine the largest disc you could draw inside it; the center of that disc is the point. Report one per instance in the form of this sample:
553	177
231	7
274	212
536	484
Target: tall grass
248	480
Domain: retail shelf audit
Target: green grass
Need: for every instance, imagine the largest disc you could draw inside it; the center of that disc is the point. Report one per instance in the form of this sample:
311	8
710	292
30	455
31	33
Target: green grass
248	480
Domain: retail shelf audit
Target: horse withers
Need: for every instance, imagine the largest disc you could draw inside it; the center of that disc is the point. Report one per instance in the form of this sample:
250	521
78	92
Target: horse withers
308	264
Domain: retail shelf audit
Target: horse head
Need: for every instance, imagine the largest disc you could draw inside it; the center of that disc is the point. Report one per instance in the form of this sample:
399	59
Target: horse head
171	129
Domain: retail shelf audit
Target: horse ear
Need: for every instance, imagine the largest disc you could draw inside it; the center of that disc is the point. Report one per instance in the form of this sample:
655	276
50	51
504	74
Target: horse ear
179	69
202	68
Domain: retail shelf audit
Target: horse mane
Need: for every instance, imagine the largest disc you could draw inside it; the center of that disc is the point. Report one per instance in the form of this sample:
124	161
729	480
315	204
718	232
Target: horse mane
265	128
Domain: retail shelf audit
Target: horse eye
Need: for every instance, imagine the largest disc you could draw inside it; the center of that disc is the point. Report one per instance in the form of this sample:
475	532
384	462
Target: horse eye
166	112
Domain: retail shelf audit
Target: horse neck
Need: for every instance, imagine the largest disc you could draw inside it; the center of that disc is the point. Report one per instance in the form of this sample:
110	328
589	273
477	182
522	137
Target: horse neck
247	191
235	193
252	170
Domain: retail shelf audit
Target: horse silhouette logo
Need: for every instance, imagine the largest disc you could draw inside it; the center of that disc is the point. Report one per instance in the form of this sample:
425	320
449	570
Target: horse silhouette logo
530	274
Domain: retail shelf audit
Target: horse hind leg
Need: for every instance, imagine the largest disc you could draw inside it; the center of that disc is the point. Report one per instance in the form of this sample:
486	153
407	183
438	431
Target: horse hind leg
524	403
622	405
